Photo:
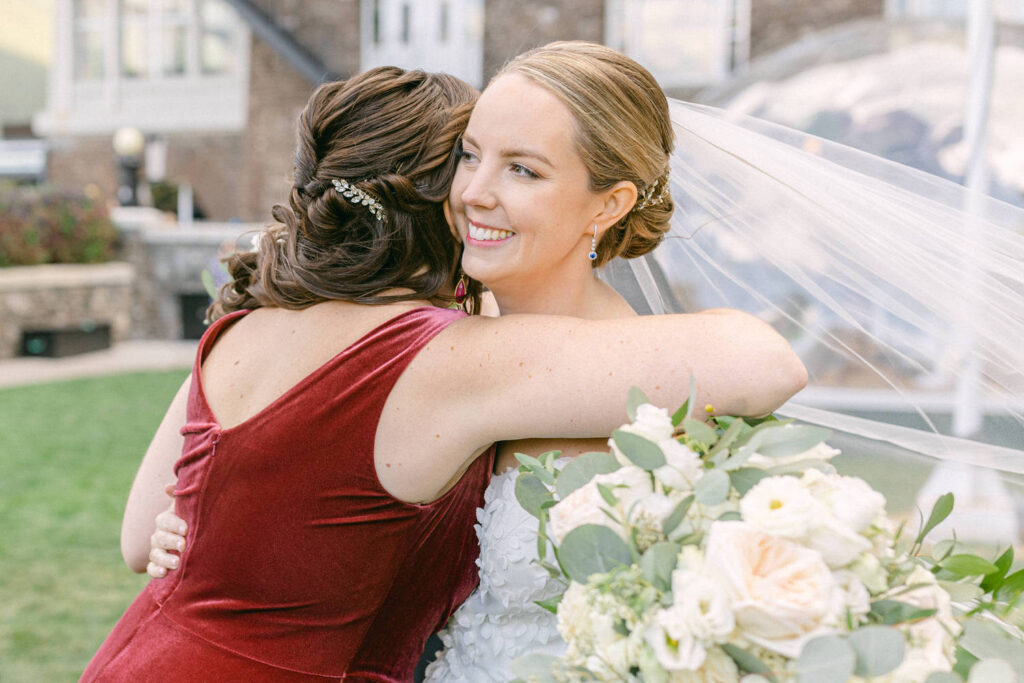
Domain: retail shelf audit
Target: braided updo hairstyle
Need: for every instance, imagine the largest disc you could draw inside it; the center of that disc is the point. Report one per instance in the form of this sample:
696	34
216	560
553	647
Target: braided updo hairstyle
391	134
623	132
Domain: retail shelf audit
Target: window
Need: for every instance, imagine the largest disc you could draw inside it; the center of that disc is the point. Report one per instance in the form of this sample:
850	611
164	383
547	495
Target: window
436	35
684	43
160	65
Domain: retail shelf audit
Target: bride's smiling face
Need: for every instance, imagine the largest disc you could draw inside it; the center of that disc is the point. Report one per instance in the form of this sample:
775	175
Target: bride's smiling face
521	198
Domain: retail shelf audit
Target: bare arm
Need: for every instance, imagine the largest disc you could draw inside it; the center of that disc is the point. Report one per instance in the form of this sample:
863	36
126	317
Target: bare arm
148	497
524	376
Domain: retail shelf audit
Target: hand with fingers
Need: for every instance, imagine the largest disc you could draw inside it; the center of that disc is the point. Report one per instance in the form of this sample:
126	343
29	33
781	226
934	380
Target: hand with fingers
169	536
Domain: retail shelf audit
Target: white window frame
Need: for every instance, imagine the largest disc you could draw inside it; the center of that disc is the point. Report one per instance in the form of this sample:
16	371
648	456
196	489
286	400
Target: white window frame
728	38
155	102
461	53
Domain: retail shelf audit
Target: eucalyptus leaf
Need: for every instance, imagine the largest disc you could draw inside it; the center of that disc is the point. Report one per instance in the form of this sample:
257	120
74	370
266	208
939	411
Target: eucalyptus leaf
635	400
787	440
712	488
529	461
684	410
551	604
879	649
744	478
985	640
698	431
658	562
961	592
592	549
607	494
943	506
730	516
992	671
966	564
673	520
747	662
748	436
944	549
531	493
534	667
891	612
944	677
582	469
640	451
827	659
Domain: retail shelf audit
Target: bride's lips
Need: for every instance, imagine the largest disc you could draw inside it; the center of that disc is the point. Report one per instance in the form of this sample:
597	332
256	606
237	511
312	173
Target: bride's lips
486	235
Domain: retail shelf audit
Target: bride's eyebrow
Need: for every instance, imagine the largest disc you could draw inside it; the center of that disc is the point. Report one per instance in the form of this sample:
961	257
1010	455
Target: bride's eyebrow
513	151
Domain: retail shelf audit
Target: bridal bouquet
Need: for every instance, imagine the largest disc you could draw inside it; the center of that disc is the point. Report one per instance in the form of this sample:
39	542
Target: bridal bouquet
728	549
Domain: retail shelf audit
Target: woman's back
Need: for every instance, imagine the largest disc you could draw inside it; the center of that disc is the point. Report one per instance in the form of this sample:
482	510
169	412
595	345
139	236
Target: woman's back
344	566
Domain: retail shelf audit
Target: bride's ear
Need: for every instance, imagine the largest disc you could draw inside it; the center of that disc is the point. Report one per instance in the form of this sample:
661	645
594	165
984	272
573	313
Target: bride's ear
618	201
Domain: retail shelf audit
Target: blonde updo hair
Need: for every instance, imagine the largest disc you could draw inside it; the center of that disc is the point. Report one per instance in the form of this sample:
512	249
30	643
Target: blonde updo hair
623	132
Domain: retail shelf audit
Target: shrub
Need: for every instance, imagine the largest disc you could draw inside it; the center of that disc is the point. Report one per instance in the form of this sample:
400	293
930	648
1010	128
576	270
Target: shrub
47	225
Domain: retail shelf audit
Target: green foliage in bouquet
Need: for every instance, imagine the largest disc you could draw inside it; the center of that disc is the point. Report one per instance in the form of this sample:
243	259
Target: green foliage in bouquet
726	549
45	225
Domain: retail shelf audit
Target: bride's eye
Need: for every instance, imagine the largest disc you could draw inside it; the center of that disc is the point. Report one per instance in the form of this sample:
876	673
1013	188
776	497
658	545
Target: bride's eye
522	171
466	157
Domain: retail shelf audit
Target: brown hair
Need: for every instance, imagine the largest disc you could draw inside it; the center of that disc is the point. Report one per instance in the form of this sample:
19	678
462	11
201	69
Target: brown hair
623	132
390	133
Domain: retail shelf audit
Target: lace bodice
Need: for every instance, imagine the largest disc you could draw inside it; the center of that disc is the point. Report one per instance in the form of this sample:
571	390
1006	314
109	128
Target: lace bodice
500	622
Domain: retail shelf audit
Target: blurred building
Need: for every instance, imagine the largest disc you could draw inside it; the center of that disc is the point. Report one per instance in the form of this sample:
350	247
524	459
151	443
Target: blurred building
216	85
24	59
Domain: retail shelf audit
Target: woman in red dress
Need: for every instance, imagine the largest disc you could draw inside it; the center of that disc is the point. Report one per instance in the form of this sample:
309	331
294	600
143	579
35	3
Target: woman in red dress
339	409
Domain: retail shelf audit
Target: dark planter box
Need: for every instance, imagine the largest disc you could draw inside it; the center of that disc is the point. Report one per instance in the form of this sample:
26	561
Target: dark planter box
68	342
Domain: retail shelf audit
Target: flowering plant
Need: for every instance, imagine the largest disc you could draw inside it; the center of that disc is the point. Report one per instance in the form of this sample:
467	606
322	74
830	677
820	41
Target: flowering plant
729	549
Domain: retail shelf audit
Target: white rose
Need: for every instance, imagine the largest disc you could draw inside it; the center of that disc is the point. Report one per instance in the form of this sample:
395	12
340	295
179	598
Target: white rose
584	505
705	606
782	594
851	500
855	595
718	668
820	452
674	646
682	466
780	506
838	544
651	422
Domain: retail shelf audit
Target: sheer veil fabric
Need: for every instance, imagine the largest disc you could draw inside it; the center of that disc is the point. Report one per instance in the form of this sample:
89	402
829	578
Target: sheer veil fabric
882	277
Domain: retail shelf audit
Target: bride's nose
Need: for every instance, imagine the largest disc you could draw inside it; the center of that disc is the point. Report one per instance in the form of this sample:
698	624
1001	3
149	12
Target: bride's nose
479	191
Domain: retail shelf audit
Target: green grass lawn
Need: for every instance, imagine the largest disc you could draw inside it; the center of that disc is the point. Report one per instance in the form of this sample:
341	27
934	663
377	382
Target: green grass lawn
68	453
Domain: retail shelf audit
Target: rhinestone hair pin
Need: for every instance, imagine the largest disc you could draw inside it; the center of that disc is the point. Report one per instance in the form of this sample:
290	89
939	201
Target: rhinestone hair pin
357	196
649	197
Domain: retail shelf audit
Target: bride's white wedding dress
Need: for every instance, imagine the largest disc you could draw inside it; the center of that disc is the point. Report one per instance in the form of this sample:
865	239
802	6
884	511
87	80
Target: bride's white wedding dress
500	621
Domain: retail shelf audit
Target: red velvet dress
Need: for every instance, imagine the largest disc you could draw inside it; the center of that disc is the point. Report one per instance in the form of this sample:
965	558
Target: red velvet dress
299	565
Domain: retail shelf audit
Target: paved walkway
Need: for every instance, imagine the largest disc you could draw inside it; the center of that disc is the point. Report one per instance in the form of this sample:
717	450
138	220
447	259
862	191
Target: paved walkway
129	356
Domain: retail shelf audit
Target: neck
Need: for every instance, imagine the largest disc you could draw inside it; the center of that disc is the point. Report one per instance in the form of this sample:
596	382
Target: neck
562	293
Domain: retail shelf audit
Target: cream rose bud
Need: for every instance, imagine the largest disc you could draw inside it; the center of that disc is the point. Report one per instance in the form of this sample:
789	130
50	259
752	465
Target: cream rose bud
820	452
584	505
651	422
682	466
780	506
782	594
674	646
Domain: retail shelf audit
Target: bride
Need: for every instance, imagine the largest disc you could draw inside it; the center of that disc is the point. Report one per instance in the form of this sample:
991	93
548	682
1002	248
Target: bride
555	124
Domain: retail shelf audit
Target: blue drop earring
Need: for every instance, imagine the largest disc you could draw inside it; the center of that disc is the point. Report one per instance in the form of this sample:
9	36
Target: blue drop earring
593	245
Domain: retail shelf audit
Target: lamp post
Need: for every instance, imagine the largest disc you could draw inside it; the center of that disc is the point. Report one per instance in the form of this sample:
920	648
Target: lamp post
129	144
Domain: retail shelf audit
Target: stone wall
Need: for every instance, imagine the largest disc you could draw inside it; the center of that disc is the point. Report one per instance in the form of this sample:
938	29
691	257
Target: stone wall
64	297
514	26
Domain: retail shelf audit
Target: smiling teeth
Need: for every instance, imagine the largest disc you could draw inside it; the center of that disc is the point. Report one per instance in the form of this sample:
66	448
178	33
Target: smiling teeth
486	234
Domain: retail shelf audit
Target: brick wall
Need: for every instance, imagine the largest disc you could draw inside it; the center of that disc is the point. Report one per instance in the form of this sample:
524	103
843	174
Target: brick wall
777	23
514	26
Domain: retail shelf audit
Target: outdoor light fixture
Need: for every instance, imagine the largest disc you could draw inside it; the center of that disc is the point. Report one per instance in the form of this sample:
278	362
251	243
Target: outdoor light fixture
129	143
